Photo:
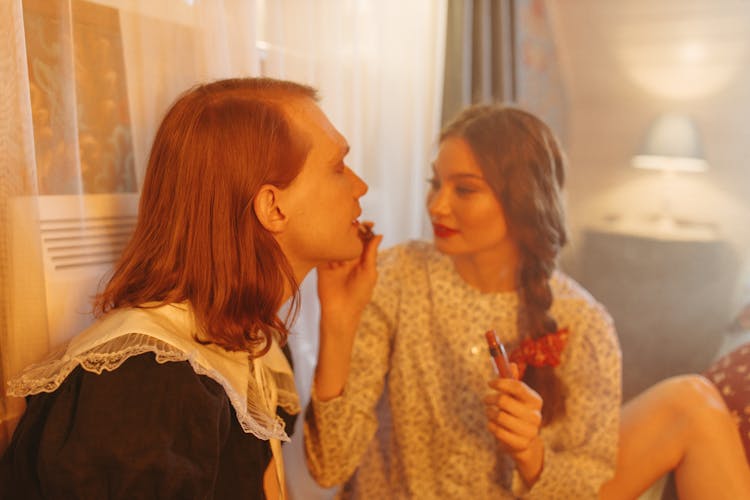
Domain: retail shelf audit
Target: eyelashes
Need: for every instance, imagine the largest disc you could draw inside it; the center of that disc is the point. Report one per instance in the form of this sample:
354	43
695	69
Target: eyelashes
459	189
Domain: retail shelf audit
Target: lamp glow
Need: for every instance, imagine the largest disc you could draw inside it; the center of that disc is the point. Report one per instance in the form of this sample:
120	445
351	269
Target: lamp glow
672	143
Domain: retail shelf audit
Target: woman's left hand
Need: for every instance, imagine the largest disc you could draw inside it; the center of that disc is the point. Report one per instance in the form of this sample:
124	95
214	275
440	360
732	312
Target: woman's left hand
514	413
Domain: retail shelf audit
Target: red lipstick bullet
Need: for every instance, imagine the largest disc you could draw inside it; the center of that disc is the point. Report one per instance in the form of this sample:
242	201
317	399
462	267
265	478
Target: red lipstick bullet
497	351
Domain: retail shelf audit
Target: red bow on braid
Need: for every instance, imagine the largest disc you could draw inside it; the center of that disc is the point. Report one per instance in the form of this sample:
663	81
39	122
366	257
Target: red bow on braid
544	351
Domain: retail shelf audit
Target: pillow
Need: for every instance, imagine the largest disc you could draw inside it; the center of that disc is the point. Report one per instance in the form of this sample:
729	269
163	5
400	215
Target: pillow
731	375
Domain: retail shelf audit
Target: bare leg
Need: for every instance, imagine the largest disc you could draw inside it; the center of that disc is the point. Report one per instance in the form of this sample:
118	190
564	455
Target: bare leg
680	424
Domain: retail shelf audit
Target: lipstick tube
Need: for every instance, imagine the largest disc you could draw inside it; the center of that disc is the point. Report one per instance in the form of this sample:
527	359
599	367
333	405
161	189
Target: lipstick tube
497	352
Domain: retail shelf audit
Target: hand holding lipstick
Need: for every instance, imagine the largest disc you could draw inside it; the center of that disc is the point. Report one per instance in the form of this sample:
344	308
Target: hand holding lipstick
499	356
514	413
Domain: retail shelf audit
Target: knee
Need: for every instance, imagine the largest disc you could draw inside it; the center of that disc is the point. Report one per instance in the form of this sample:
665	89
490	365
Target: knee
696	399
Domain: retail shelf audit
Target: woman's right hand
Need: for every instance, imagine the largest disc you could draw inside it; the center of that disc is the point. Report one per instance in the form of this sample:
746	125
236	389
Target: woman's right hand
344	289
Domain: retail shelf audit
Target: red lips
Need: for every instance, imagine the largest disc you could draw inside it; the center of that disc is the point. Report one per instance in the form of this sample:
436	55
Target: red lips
443	231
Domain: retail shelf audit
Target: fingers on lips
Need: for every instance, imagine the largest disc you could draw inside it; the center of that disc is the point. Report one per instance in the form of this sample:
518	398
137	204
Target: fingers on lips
365	232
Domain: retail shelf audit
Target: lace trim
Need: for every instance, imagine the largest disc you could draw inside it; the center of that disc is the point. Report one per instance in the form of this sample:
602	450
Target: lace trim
252	415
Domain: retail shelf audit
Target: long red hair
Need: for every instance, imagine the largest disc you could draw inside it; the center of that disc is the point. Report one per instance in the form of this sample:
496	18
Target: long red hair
197	238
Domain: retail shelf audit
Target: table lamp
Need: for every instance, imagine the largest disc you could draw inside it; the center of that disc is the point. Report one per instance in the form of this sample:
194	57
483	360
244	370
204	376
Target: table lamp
672	145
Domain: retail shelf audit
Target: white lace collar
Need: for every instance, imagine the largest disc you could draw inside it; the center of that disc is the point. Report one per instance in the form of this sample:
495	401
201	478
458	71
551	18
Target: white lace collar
254	388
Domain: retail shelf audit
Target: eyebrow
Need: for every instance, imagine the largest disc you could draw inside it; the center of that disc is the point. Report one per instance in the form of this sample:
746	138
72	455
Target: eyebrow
466	176
460	175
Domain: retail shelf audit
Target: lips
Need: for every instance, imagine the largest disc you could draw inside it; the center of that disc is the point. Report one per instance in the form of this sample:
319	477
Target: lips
443	231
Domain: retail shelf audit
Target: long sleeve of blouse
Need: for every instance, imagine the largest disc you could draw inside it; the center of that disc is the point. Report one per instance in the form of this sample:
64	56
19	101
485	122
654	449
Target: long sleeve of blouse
333	450
411	423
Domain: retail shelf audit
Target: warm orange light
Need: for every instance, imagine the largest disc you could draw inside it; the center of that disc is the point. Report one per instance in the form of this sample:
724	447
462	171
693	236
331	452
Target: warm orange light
675	66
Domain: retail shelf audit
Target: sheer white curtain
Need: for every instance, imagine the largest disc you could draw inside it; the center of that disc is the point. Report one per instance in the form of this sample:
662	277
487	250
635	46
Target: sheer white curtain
83	85
379	68
17	178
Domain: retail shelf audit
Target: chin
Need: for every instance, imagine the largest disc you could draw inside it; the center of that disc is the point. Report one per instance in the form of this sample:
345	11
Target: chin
356	249
351	250
443	246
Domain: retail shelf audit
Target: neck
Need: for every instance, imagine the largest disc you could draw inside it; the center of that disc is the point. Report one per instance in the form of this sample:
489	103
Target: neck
300	273
490	271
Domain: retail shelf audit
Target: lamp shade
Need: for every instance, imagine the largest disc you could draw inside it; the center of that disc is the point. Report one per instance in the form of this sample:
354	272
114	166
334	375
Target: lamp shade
672	143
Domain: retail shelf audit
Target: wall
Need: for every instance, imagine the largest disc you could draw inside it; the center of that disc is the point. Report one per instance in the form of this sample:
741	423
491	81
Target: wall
623	63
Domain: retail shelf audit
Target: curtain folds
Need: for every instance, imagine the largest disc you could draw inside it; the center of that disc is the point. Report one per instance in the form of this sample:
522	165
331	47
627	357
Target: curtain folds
504	51
480	58
17	178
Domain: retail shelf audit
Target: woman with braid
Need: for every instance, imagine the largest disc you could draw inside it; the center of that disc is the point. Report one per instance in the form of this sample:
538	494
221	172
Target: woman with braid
409	406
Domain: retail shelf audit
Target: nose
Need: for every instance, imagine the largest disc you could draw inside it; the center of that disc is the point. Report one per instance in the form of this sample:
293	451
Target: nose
437	203
360	186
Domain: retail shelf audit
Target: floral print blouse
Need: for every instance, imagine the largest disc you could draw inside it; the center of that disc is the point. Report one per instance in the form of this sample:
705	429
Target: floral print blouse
411	422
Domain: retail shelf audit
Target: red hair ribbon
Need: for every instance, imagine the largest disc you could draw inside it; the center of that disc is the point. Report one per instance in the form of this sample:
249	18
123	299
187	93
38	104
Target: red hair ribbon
544	351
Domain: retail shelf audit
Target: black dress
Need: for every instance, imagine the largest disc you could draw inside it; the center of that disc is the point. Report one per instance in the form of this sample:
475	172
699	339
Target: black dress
144	430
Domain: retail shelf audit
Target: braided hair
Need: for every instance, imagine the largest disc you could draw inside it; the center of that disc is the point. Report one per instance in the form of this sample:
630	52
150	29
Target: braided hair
523	163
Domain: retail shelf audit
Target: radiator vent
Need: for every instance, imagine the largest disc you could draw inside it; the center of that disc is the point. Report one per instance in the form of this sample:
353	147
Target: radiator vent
85	242
63	248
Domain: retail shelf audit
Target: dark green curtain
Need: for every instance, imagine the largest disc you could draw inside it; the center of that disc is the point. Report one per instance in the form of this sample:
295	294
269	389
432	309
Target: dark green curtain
479	54
503	51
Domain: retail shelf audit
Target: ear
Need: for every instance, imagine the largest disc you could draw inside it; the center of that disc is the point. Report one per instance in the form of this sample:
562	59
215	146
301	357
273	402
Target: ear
268	210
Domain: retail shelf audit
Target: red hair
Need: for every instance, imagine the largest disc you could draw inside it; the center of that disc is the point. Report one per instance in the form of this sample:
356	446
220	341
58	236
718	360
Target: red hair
197	238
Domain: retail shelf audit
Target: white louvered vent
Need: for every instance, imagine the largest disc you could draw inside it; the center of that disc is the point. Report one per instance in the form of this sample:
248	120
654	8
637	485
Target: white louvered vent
92	241
69	244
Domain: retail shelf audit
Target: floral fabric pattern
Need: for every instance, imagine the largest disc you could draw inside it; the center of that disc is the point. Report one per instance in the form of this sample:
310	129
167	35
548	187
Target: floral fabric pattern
731	375
411	422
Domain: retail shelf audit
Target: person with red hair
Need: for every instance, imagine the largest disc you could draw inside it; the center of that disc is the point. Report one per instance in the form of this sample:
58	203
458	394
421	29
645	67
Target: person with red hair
183	387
